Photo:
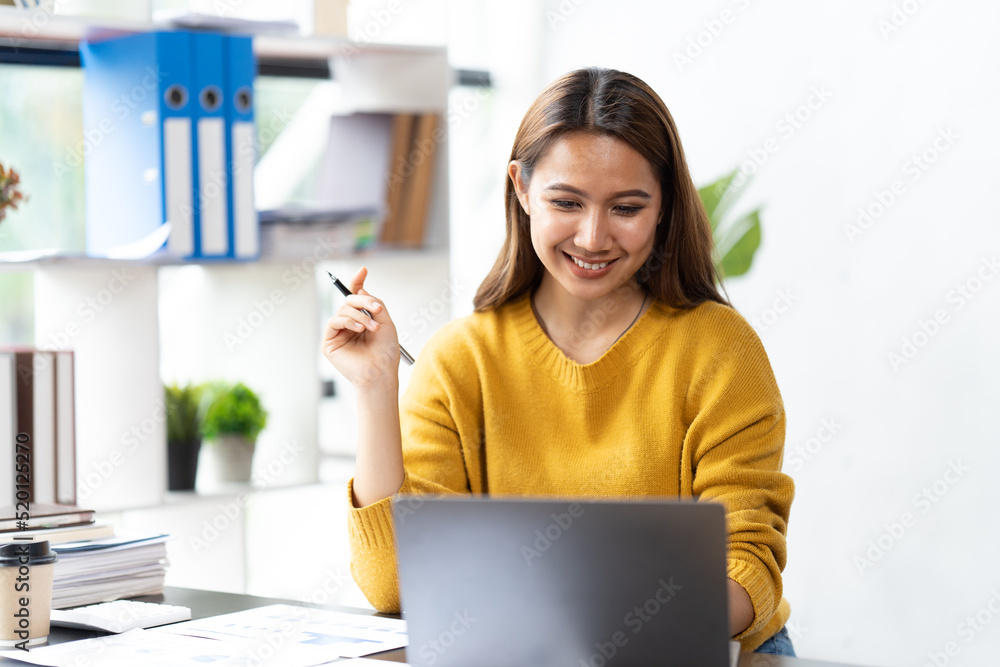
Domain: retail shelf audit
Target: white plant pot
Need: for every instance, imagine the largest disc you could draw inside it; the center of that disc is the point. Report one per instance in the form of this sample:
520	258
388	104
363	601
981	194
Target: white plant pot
231	457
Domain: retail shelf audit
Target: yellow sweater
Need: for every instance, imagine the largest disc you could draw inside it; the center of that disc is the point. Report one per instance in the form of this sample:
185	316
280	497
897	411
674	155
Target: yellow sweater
684	404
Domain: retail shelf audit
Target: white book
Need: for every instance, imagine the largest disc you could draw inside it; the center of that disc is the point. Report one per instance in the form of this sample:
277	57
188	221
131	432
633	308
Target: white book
43	467
8	428
65	430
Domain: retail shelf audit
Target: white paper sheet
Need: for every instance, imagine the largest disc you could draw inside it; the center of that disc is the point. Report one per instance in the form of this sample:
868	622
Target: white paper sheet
274	636
136	647
325	634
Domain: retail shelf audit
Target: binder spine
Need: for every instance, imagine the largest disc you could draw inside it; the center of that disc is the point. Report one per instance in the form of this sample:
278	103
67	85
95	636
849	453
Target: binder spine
241	69
210	173
177	135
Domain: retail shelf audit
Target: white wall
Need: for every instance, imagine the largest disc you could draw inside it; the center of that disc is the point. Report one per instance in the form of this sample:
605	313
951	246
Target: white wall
846	306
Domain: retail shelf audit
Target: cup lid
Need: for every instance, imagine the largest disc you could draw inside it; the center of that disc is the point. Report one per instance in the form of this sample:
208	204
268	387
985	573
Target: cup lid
37	553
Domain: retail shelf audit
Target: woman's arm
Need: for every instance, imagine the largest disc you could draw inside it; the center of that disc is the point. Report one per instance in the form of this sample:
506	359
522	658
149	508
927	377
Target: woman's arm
379	471
736	438
740	608
366	351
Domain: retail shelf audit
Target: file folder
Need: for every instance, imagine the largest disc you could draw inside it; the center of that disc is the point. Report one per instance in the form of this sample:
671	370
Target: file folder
211	179
137	144
241	68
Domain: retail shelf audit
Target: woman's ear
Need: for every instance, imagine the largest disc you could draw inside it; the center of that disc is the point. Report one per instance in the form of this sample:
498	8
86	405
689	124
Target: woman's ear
515	173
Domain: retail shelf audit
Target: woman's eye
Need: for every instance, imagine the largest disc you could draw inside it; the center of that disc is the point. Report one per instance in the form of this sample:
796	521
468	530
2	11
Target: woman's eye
628	210
563	203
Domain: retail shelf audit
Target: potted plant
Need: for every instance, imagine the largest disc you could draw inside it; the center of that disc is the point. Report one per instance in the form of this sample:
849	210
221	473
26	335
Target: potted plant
183	435
10	194
233	419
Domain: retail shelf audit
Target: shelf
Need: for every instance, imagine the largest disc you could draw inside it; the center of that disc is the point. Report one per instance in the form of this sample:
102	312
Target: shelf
39	30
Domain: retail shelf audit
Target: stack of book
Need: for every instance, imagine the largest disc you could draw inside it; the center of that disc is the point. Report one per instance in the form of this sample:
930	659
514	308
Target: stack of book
56	523
94	565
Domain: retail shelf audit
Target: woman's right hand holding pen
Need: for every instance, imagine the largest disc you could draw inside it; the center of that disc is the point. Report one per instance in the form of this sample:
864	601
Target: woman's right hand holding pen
364	349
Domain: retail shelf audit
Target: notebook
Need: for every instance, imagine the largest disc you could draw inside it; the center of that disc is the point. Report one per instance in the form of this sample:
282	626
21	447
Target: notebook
491	582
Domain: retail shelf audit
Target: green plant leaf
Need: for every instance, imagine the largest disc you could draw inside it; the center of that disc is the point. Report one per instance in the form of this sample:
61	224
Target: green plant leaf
738	244
712	195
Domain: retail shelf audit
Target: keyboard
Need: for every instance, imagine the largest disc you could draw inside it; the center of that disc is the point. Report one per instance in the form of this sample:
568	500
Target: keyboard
119	616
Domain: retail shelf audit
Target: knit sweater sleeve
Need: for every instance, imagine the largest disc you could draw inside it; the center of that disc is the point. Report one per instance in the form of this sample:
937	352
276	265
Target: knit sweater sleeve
736	436
436	412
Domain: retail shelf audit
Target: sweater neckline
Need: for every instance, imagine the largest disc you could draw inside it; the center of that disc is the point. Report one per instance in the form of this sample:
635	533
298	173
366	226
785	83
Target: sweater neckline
621	356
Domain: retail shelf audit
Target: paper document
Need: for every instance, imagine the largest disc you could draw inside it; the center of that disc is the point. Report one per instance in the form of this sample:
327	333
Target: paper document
317	632
139	647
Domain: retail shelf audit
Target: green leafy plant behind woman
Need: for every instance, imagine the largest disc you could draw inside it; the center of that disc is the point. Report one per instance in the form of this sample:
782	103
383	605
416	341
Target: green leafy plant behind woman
736	238
233	410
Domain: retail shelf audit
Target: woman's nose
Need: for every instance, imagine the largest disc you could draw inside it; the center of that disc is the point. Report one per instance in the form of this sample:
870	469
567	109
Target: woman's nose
593	233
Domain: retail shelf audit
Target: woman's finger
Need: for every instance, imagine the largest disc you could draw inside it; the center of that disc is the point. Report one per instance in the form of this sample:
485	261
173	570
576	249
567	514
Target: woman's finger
356	306
357	283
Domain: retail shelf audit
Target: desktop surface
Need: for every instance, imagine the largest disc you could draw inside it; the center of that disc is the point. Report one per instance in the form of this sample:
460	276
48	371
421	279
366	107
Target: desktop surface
212	603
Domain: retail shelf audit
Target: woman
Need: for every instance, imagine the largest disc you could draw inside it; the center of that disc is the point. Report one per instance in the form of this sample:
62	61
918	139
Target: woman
601	360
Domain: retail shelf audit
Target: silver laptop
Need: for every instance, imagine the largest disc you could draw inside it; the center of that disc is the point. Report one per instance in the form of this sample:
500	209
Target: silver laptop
517	583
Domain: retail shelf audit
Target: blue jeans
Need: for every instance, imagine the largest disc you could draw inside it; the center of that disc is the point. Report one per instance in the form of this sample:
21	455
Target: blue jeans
779	644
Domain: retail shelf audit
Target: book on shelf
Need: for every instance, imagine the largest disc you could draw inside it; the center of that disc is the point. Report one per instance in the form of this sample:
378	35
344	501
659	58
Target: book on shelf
37	412
402	138
416	138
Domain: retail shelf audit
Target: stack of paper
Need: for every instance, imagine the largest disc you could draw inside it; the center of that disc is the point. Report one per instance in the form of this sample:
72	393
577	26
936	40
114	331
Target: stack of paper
108	569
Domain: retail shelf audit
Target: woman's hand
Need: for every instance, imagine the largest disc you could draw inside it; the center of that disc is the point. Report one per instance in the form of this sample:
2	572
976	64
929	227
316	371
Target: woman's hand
364	349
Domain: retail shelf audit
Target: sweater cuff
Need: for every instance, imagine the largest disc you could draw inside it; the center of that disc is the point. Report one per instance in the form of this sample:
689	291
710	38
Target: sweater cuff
760	589
371	526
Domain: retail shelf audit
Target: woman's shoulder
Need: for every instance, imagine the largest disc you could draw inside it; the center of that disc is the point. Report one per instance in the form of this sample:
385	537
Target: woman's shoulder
711	320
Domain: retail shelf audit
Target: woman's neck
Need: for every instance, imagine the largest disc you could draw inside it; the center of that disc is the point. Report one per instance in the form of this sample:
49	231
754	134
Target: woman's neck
585	329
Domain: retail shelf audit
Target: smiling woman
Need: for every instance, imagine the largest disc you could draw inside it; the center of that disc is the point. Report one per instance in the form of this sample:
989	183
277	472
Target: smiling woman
601	361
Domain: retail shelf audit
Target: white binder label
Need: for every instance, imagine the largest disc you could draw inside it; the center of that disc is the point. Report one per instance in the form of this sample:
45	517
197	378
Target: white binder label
244	214
178	187
212	186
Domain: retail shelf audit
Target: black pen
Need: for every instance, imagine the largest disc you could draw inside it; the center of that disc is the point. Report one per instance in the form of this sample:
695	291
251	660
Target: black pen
346	292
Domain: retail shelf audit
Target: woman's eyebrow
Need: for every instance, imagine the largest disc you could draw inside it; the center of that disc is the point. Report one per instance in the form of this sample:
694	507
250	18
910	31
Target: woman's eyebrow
624	193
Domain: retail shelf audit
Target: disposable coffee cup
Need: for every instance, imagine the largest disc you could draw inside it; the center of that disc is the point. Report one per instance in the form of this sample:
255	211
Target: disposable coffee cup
25	593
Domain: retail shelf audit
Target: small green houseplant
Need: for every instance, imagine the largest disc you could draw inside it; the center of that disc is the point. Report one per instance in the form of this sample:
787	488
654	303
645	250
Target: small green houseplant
234	417
184	411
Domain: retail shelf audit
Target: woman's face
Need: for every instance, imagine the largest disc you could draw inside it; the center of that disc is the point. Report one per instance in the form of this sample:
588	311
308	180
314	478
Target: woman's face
594	204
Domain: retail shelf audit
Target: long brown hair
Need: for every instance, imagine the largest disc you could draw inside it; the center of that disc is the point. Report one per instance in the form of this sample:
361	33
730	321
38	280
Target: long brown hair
679	270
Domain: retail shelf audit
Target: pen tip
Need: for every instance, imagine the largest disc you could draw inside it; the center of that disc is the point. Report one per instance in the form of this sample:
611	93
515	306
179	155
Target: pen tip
332	277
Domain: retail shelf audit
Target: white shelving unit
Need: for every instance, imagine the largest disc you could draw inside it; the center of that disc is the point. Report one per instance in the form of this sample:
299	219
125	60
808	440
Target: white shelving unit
124	319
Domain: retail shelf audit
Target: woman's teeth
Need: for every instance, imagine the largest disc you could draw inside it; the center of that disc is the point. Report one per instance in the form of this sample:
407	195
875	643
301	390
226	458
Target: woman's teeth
589	267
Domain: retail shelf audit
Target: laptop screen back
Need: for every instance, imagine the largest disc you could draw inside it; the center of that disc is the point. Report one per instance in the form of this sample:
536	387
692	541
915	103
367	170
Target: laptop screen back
529	582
